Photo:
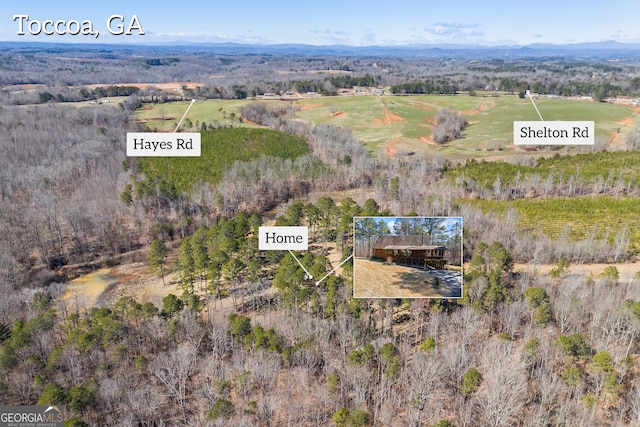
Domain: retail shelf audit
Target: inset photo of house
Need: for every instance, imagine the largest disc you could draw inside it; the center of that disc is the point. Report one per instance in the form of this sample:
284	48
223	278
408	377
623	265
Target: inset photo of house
407	257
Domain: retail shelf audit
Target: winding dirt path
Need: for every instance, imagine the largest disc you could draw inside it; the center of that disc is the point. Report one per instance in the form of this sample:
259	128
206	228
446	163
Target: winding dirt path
389	117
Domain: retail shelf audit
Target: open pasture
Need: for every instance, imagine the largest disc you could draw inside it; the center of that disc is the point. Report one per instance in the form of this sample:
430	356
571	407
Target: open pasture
165	117
402	124
397	124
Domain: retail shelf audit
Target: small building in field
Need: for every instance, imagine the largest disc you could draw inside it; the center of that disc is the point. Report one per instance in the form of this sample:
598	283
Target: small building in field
413	250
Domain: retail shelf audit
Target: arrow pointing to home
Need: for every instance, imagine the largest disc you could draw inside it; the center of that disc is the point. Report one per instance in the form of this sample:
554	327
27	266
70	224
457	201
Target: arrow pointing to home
331	272
308	276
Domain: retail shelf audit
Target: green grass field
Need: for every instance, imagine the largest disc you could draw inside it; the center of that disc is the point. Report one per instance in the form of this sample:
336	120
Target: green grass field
490	119
164	117
405	125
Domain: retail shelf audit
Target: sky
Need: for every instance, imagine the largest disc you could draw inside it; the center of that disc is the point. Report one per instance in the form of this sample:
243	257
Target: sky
356	23
448	222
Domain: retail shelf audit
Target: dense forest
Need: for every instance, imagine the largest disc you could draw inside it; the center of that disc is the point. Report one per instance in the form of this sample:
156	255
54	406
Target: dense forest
244	337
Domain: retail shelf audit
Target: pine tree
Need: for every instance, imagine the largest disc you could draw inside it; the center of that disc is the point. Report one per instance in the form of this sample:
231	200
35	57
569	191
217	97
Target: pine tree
157	256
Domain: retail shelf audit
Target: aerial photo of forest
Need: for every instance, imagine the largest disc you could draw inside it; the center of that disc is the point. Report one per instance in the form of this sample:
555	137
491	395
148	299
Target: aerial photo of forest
495	284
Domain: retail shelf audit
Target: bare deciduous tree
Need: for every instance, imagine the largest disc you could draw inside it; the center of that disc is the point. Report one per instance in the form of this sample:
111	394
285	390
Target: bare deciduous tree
503	391
422	380
173	370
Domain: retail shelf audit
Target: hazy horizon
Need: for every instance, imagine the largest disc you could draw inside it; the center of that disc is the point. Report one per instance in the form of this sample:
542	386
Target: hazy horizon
357	24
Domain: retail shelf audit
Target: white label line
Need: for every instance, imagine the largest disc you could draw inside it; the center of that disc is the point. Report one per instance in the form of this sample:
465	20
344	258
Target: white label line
534	105
331	272
193	101
308	276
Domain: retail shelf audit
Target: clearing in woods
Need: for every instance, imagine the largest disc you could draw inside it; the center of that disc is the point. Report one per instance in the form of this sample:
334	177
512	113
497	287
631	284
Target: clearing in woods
86	291
409	120
375	279
164	117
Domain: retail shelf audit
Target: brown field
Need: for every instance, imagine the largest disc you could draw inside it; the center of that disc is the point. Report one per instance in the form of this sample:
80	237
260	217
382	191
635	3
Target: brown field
84	292
172	86
108	285
373	279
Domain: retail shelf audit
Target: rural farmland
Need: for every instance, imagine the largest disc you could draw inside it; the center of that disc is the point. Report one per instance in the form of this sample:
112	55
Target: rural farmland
402	124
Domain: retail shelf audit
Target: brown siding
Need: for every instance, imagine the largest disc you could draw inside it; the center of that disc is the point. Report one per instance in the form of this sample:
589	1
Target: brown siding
421	257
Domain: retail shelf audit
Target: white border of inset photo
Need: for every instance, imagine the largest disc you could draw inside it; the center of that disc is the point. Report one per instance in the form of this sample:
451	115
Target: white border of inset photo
407	257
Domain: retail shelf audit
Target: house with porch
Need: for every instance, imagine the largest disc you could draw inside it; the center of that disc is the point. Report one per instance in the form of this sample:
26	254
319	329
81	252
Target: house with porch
412	250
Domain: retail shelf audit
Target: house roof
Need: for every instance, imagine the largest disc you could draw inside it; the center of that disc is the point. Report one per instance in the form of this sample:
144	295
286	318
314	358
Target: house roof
411	242
411	248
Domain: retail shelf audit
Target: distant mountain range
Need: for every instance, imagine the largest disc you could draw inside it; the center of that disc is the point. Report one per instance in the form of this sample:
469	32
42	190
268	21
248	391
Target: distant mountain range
606	49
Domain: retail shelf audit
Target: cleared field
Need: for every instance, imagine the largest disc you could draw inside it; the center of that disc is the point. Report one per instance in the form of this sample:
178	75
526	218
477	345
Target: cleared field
490	120
401	124
374	279
85	291
164	117
172	86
